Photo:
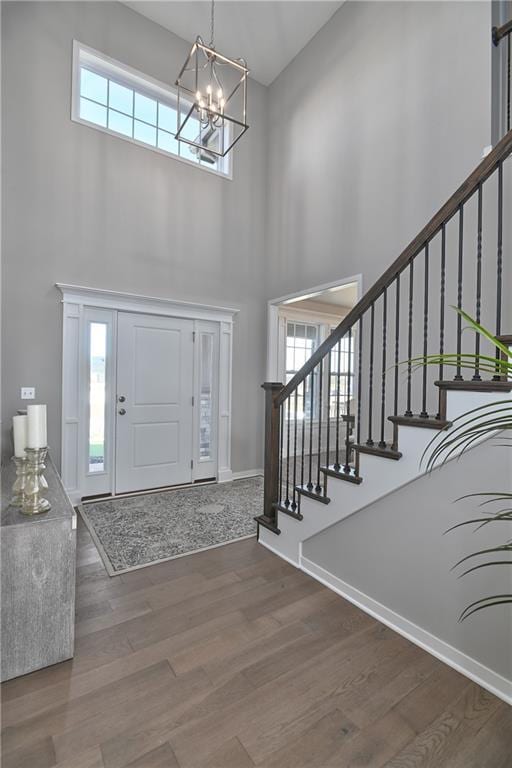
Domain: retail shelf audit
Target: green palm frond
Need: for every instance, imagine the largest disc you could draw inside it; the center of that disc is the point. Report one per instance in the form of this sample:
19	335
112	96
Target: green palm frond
485	565
484	602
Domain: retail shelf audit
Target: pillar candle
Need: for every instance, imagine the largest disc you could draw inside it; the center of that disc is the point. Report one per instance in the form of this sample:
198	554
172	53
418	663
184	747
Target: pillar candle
36	426
20	430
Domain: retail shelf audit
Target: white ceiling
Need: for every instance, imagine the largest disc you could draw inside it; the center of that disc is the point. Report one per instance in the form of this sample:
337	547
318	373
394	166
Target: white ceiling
332	299
344	296
267	34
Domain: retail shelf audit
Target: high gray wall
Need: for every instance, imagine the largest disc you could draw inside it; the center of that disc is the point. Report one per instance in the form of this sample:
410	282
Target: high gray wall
83	207
395	552
364	134
371	128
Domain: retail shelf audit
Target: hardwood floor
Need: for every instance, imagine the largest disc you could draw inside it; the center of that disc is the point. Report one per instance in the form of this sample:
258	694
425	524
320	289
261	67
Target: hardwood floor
233	659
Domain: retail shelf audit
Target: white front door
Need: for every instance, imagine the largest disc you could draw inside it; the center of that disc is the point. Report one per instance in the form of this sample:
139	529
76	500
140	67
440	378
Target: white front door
154	402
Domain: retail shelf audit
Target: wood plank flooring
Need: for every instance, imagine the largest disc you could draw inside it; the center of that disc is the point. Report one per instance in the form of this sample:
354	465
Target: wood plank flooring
232	658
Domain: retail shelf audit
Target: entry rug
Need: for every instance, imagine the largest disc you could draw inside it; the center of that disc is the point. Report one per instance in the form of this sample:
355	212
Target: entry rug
136	531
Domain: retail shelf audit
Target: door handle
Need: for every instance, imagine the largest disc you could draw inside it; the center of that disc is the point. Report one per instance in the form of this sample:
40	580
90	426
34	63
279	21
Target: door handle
121	411
121	398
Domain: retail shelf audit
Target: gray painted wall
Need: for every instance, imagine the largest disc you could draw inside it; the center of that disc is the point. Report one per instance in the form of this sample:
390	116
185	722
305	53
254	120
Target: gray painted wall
365	133
371	128
83	207
395	552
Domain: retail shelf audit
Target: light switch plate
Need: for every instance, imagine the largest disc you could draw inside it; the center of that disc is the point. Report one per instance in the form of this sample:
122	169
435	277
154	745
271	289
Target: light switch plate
28	393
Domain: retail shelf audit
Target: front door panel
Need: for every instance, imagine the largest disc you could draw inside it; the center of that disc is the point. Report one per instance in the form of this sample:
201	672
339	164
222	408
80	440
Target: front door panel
154	421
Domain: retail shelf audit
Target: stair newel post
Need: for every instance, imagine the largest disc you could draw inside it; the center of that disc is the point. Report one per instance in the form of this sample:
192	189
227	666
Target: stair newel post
272	453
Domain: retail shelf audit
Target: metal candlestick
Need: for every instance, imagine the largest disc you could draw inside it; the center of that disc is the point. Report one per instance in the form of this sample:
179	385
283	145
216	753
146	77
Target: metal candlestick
18	488
35	483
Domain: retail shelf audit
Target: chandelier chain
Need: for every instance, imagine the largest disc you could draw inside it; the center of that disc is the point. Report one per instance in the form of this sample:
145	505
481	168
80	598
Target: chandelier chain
212	24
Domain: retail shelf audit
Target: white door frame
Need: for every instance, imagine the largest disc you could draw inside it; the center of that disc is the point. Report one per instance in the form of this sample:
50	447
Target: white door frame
273	366
78	302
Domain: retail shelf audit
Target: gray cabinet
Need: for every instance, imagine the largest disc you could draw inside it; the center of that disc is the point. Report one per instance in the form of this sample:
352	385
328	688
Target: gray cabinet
38	580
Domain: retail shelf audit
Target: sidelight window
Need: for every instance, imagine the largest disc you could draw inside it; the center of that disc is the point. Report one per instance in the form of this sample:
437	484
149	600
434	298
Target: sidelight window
97	388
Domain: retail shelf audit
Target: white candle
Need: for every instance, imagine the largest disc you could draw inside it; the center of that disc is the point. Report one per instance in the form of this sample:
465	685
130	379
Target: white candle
20	429
36	426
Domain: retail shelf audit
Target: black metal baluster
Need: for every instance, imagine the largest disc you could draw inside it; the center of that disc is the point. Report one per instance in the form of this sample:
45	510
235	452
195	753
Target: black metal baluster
303	440
509	76
294	491
359	380
458	374
394	445
347	466
442	301
370	375
318	487
408	411
424	412
397	342
310	480
287	500
476	375
499	264
337	464
281	452
328	437
382	442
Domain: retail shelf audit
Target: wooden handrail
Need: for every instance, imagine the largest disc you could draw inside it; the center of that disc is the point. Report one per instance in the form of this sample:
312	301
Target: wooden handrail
468	188
498	33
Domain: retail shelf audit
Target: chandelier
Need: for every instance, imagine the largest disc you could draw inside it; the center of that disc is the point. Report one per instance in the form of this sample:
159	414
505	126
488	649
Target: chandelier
211	99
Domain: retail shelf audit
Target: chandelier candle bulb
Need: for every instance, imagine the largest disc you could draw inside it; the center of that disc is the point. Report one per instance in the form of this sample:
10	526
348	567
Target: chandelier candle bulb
36	415
20	433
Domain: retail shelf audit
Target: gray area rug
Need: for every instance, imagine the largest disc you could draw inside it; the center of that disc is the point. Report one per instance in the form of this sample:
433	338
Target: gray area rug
137	531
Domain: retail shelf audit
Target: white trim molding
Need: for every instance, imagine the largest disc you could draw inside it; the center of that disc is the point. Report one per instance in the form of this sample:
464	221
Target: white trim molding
273	306
148	305
471	668
78	303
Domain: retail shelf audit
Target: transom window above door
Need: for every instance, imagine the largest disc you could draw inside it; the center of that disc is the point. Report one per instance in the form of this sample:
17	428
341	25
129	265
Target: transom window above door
116	99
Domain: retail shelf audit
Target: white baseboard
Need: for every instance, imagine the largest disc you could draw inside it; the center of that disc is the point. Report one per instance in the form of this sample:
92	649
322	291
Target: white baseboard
279	554
491	681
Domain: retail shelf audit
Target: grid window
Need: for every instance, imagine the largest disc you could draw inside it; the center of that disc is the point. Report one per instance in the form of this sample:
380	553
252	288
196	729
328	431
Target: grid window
143	113
301	341
341	382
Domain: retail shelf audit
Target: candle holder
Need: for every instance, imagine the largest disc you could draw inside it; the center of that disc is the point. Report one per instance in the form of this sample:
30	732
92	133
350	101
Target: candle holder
35	483
18	488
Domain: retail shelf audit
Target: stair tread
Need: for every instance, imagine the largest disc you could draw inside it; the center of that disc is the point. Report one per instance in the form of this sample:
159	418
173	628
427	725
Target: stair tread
350	477
312	494
288	511
420	421
374	450
266	522
476	386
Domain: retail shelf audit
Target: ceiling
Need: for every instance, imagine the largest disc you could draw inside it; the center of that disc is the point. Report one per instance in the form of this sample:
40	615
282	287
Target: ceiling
344	296
332	300
266	33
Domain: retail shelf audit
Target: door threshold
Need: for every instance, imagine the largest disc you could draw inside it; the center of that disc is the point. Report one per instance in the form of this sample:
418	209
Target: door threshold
145	492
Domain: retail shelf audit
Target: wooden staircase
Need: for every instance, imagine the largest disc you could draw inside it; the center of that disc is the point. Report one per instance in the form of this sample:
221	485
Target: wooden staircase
316	435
